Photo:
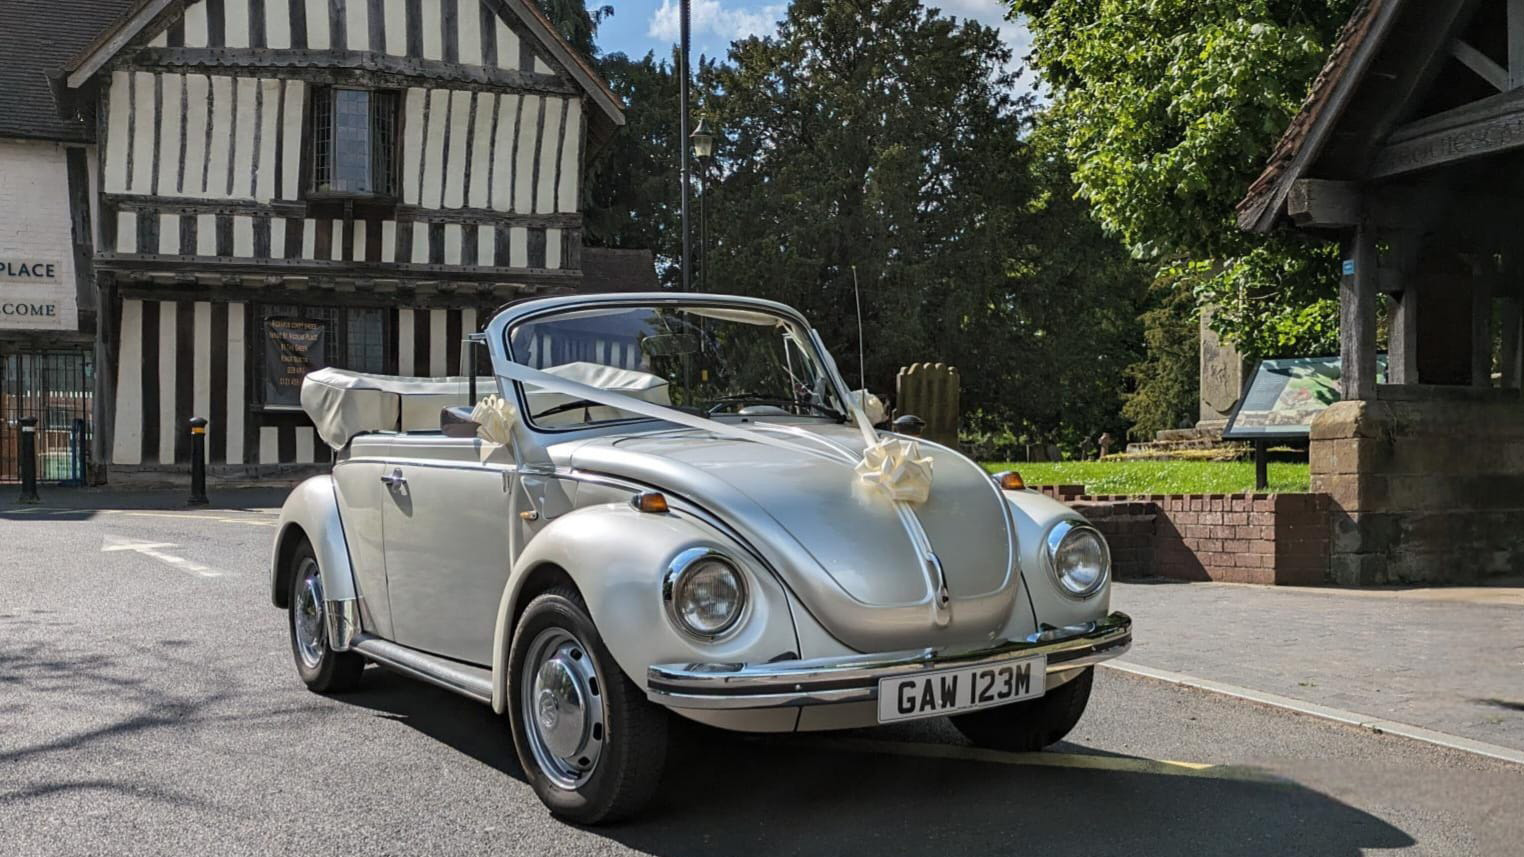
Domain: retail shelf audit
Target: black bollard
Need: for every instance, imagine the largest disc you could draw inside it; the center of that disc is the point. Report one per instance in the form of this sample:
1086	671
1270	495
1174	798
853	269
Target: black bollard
198	461
28	454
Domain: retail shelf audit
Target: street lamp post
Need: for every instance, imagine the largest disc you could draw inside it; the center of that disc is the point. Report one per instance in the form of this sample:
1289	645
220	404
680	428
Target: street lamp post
682	62
703	149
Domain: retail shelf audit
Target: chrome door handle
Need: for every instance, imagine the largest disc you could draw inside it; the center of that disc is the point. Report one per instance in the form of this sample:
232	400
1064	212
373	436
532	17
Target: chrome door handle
393	479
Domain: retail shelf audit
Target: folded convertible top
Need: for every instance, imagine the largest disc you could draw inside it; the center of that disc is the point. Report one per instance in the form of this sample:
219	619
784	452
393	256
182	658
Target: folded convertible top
343	404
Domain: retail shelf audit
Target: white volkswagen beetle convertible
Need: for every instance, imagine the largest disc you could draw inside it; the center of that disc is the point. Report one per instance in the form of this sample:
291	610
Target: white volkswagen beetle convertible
671	504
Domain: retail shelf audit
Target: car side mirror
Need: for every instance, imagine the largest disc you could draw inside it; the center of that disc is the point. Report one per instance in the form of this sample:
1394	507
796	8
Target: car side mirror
910	424
456	422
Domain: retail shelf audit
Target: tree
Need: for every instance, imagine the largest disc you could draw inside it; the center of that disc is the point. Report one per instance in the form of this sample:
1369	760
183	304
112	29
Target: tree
1167	110
576	23
884	142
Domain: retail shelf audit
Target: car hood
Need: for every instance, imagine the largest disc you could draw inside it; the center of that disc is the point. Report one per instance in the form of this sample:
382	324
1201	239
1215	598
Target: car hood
839	543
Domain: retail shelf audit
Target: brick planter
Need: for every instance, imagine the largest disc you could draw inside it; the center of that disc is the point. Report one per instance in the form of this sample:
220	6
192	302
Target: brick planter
1235	538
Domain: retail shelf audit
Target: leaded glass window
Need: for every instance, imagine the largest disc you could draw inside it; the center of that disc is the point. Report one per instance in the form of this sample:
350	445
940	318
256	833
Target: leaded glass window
354	142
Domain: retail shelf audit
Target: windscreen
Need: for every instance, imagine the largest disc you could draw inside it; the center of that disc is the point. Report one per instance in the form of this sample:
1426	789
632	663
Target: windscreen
715	361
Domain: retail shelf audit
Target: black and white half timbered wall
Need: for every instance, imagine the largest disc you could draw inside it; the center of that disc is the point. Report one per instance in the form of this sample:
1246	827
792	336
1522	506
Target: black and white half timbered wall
375	175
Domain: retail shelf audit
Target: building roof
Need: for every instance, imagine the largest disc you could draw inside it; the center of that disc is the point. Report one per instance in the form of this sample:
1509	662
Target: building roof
106	44
1357	43
605	270
41	37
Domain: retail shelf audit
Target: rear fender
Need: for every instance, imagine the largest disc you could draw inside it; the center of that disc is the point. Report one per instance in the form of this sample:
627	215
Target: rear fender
617	557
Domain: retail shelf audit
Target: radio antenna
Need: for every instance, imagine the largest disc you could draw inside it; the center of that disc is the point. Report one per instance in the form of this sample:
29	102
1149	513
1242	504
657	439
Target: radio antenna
862	372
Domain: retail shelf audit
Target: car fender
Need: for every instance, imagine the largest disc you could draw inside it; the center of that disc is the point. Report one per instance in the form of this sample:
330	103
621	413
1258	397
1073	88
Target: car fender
1034	515
312	509
617	557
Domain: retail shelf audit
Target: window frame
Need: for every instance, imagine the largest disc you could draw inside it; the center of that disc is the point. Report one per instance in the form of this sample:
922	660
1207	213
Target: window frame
387	176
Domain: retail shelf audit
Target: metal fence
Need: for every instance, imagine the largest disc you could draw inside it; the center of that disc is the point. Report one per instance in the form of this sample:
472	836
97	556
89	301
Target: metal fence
57	388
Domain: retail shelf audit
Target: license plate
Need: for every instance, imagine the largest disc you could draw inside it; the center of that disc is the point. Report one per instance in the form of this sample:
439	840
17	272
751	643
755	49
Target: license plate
953	691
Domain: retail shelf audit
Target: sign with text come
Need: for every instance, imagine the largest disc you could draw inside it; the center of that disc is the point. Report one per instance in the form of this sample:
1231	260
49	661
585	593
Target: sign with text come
34	293
293	347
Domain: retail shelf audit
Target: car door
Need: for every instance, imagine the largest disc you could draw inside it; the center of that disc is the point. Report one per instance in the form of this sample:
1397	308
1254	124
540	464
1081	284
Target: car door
446	526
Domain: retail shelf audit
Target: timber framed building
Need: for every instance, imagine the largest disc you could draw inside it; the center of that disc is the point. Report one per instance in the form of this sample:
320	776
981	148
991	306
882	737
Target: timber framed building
278	185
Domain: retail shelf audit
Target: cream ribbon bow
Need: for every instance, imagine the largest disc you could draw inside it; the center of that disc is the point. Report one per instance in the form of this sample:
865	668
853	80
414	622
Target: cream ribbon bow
897	466
494	420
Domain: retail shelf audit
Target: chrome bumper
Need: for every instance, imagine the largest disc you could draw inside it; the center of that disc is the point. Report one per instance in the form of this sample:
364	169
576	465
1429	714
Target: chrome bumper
828	681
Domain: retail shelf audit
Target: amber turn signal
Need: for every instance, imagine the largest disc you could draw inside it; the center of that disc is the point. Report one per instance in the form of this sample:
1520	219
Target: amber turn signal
1010	480
652	502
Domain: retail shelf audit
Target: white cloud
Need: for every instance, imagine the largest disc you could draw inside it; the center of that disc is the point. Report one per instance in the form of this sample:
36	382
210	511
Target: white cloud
710	17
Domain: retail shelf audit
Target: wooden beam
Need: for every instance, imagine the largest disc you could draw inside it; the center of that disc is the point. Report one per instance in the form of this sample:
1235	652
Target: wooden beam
1324	204
1485	272
1515	44
1484	66
1511	316
1485	127
1402	337
1357	315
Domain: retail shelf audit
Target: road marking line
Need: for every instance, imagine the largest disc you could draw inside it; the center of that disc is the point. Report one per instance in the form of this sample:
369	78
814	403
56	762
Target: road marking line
1122	764
152	551
195	517
1363	721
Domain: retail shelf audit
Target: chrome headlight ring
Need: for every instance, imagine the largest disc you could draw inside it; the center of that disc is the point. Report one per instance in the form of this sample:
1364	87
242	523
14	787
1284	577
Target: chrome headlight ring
680	587
1070	536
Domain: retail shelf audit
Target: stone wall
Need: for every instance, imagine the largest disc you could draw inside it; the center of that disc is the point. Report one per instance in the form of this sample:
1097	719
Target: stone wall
1427	485
1280	539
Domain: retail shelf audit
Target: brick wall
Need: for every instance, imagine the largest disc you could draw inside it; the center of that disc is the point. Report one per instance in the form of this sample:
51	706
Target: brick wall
1235	538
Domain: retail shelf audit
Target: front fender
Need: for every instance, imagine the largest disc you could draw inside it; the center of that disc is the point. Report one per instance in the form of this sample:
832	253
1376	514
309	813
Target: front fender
617	556
1034	515
311	511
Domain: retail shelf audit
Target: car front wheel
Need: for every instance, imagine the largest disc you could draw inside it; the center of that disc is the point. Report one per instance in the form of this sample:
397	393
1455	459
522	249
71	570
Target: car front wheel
1025	727
592	745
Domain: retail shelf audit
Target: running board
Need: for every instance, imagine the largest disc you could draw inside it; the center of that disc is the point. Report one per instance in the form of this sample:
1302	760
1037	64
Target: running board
468	681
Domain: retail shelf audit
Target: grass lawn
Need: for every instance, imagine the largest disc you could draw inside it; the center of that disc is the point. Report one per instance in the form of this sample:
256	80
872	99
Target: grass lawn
1160	477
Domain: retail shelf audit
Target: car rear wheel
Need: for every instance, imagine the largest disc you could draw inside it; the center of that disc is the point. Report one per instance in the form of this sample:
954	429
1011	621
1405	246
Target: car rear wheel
1025	727
324	670
592	745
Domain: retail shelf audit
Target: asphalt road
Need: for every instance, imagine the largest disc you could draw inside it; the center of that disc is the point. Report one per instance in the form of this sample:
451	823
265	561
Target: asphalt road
148	705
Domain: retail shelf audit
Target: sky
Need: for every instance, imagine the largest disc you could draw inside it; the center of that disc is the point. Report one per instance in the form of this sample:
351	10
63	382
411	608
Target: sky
639	26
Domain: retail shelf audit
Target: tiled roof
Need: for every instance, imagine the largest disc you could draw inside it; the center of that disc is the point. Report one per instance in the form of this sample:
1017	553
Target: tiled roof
42	36
1268	190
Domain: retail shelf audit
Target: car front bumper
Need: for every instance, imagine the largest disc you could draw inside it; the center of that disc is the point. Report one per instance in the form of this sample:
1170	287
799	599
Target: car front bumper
834	680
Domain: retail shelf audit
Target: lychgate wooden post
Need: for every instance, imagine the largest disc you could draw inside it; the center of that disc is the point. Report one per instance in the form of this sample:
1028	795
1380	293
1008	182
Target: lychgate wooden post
1357	314
930	391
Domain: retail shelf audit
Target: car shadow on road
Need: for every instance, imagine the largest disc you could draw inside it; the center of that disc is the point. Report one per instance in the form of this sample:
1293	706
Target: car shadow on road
768	795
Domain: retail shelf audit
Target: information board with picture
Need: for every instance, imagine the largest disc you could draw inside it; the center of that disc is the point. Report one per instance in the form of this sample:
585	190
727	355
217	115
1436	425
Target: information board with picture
1285	395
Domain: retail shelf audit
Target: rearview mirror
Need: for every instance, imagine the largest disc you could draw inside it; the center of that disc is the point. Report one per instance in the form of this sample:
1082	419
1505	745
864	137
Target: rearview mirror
669	344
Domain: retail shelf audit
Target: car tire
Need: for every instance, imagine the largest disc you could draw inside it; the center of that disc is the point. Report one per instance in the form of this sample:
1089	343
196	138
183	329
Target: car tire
613	727
1026	727
323	670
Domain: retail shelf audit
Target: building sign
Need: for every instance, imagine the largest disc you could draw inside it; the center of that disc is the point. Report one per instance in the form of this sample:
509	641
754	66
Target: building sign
1284	395
293	348
34	293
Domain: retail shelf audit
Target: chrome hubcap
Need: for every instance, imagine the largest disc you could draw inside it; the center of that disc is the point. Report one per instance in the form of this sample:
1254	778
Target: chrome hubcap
562	707
307	615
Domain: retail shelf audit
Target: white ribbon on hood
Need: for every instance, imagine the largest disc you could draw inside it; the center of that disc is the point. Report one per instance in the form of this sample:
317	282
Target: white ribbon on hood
892	464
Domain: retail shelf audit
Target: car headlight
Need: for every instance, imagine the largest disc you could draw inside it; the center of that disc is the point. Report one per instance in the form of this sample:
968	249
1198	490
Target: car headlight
705	593
1079	558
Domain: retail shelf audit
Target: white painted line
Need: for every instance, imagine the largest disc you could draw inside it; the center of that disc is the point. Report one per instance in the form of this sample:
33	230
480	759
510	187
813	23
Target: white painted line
1044	759
1363	721
152	551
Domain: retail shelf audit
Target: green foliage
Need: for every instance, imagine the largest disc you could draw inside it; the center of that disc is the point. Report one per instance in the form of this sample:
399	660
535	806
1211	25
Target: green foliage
886	139
1167	110
1168	378
1161	477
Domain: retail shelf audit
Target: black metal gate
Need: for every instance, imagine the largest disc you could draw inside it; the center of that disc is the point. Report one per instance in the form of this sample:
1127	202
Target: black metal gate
56	387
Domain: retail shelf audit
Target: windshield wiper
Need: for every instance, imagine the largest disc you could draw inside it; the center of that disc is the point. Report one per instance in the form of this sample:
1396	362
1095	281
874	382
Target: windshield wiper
563	408
759	399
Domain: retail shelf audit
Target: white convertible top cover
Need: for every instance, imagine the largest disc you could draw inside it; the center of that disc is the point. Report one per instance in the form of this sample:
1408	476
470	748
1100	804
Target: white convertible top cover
343	404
